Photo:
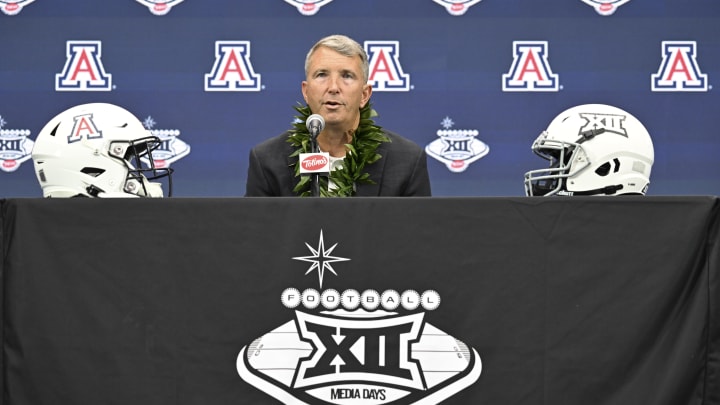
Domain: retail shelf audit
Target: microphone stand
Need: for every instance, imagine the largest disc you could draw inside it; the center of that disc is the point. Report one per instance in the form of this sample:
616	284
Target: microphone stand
314	177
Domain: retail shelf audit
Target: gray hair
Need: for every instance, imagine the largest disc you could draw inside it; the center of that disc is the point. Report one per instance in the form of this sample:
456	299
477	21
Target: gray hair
343	45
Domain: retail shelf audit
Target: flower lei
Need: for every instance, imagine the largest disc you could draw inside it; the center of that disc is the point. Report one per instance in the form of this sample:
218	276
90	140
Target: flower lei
361	151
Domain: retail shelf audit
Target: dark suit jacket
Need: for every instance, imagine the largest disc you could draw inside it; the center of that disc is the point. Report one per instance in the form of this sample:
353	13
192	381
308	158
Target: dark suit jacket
402	171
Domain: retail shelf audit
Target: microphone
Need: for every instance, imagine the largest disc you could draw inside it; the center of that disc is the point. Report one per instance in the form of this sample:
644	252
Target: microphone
315	123
316	163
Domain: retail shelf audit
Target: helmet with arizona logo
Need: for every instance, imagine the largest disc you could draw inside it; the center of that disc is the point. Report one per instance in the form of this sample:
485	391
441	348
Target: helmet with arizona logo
98	150
592	149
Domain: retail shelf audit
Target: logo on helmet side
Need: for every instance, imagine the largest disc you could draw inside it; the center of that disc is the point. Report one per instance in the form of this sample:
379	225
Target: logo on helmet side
612	123
84	127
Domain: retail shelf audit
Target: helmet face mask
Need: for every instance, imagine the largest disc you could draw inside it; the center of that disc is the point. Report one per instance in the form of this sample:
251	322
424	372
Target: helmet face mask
133	154
550	181
592	149
98	150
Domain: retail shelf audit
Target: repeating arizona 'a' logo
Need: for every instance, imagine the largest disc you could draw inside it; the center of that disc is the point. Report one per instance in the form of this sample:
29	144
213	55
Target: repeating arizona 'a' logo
354	347
530	70
13	7
83	69
605	7
308	7
15	147
84	127
679	70
457	7
171	147
457	148
232	70
160	7
386	73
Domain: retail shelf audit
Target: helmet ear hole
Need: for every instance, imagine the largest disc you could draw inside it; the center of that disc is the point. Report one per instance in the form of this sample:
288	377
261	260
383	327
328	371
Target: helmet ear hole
92	171
603	170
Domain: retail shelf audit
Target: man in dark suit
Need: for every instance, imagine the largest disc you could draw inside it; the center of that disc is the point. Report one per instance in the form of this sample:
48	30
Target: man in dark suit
377	162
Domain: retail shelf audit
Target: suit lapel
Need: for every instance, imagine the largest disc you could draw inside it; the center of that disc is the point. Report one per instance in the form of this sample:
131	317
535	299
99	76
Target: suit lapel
291	162
375	171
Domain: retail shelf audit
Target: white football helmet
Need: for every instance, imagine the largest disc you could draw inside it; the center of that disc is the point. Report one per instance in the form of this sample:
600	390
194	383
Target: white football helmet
97	150
593	149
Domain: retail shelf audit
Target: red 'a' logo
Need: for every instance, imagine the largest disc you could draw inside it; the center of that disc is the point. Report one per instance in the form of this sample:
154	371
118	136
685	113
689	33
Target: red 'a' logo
386	73
232	70
83	69
84	127
530	70
679	70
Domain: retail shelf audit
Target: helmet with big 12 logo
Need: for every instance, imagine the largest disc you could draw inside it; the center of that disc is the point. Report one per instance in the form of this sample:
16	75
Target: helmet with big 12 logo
592	149
97	150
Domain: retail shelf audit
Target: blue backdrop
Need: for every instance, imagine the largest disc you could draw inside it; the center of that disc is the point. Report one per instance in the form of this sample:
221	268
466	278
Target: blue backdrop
440	70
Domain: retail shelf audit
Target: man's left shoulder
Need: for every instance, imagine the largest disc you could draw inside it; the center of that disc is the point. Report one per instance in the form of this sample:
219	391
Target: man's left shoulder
398	141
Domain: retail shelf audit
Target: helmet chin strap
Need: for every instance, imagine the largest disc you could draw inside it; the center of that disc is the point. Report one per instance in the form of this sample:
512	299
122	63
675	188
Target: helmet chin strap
147	189
141	187
93	190
154	190
607	190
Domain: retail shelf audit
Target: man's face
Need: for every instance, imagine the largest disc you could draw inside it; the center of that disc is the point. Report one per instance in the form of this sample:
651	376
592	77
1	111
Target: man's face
335	88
